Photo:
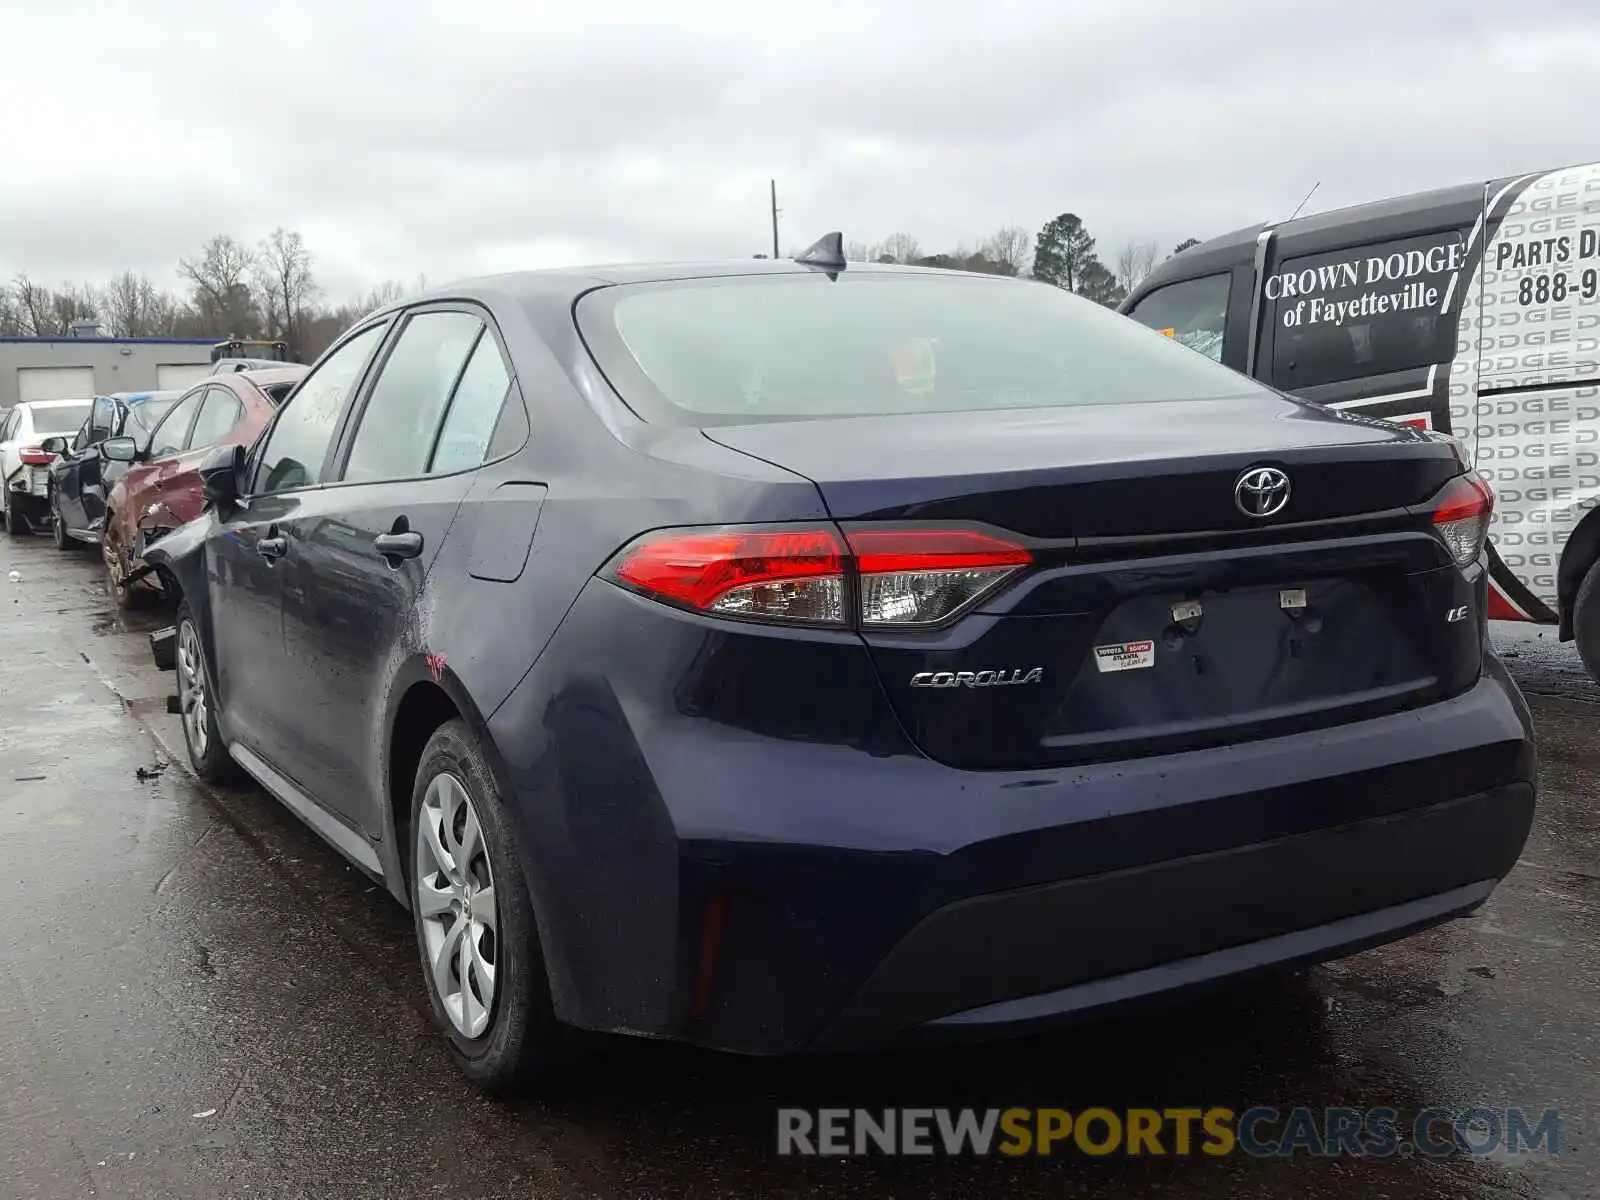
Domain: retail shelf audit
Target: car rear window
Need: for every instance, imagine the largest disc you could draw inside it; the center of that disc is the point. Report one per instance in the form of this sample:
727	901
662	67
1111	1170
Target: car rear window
786	347
59	418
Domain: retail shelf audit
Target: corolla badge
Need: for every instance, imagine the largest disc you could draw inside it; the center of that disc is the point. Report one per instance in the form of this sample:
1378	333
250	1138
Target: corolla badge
1261	492
985	678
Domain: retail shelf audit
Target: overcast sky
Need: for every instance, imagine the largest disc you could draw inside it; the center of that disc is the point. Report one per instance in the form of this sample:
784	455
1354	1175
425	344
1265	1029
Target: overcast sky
452	137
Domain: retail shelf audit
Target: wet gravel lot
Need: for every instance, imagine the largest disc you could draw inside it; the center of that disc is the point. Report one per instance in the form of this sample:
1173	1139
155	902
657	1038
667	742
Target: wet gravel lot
198	998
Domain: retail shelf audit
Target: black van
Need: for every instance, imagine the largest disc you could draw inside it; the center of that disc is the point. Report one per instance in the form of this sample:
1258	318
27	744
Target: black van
1473	310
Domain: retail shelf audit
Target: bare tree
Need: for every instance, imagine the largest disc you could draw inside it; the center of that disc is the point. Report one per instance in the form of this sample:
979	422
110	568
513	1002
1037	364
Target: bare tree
857	252
72	303
10	313
1136	261
134	308
220	278
899	248
33	307
1011	247
284	284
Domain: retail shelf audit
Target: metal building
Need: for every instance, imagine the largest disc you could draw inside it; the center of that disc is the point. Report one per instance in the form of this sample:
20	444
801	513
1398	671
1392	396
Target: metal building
86	364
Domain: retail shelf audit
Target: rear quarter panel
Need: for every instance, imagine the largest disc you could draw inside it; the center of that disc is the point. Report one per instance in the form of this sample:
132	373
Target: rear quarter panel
589	478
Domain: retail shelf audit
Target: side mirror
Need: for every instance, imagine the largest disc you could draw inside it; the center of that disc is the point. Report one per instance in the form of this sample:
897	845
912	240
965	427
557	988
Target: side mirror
54	445
119	449
222	478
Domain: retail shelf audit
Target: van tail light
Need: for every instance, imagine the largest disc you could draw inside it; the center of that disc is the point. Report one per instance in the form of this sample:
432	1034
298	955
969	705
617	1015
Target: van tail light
1461	516
874	577
33	456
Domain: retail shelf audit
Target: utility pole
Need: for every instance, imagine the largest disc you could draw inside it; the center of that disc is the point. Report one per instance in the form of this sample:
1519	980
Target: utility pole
774	184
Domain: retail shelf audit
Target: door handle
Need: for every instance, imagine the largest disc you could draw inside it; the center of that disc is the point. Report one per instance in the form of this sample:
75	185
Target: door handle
395	546
273	547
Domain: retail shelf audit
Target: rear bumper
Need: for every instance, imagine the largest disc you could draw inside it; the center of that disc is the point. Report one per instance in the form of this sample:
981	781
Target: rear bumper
699	871
36	508
1040	954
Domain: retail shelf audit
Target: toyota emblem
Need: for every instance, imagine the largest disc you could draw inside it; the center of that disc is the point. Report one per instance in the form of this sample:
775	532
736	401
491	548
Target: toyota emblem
1261	492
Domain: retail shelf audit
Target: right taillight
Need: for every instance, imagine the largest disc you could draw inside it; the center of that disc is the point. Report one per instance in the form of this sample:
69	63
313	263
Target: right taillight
913	578
1461	516
875	577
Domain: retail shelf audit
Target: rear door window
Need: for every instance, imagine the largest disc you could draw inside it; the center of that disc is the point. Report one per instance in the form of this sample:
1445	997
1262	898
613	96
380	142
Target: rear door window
173	432
474	410
1365	310
401	419
1193	312
220	412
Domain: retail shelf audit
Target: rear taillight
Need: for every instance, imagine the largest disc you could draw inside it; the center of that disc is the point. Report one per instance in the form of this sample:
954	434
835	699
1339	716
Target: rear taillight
33	456
767	574
1461	516
877	577
918	577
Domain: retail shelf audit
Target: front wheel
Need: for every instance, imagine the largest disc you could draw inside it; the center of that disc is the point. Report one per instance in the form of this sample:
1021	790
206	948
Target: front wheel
197	704
1586	621
481	957
122	595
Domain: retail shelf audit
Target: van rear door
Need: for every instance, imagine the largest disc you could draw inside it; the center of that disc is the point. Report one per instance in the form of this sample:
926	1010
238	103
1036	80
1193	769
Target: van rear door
1362	315
1532	347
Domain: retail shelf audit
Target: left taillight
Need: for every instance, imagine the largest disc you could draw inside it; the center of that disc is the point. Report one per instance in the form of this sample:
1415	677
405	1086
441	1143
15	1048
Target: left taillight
876	577
766	574
1461	515
33	456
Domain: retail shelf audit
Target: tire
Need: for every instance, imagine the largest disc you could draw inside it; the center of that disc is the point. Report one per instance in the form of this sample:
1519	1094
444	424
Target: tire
58	527
1586	621
501	1027
201	736
16	524
122	596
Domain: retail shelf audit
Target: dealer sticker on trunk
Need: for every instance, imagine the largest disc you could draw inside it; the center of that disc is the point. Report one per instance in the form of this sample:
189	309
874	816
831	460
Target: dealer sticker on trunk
1129	656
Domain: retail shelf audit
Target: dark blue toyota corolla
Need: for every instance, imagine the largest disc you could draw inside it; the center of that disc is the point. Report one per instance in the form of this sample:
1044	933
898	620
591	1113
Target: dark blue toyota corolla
785	656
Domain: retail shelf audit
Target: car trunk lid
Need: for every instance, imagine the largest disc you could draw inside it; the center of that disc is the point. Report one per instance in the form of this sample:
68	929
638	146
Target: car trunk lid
1158	614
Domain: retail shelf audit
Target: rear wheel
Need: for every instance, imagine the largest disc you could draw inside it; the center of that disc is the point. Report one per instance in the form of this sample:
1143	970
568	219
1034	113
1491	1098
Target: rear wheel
58	526
480	952
201	736
16	524
1586	621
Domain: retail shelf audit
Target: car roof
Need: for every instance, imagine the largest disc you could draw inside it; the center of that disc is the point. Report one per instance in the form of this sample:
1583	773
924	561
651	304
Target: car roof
574	281
270	376
57	403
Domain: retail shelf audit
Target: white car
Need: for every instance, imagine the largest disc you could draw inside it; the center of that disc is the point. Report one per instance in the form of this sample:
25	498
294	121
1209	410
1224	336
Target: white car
25	465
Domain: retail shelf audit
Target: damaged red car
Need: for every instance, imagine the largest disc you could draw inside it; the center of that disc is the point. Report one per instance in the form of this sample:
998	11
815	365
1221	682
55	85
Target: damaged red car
161	489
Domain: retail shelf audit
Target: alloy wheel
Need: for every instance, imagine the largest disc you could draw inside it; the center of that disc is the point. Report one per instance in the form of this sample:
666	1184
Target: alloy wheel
456	905
192	699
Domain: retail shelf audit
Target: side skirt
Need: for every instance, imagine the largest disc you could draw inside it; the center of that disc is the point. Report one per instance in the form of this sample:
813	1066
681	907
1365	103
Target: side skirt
329	828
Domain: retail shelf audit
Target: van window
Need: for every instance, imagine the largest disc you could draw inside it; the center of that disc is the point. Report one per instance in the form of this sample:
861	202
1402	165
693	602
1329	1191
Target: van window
1365	310
1192	312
